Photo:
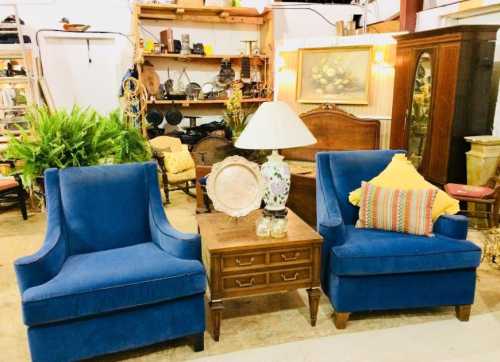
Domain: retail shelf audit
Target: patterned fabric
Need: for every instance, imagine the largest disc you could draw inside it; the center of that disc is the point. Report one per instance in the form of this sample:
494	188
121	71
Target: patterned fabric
178	161
407	211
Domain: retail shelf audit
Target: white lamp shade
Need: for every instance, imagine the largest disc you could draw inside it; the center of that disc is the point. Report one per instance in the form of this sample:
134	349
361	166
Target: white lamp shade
273	127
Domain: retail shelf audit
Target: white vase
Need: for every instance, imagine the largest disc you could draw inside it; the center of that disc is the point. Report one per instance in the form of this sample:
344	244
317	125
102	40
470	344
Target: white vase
276	174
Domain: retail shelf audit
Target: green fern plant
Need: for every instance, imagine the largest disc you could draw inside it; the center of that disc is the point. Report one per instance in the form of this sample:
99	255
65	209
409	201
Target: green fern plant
80	137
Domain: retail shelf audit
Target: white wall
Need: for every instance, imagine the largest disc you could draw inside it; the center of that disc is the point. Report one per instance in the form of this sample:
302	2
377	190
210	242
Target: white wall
70	77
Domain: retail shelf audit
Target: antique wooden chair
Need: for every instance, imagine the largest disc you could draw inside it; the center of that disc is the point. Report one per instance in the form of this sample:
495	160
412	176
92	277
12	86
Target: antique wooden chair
487	195
171	181
12	192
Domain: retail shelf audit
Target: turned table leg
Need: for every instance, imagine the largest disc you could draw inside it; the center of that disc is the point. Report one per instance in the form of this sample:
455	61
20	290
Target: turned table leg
314	295
216	307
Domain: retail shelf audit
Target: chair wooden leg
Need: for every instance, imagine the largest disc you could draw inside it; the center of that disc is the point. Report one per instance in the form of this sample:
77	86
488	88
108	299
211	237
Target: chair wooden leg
166	190
22	203
463	312
199	342
340	320
494	214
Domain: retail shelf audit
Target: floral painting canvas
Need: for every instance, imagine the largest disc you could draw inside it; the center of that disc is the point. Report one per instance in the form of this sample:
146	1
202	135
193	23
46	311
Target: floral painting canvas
334	75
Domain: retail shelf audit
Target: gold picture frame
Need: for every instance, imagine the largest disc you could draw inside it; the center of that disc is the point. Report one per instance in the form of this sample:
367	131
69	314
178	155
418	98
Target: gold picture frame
339	75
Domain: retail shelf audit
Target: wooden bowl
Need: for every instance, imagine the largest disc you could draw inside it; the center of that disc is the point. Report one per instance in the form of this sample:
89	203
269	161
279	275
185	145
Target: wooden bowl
76	27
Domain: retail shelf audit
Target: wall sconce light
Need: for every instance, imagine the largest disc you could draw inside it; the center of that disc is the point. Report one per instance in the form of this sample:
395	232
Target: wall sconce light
280	63
379	57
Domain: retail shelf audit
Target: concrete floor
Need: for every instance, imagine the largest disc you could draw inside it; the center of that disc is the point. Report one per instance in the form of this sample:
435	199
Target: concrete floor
270	321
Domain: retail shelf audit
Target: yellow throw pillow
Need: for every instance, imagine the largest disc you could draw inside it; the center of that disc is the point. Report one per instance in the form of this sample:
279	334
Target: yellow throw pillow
178	161
401	174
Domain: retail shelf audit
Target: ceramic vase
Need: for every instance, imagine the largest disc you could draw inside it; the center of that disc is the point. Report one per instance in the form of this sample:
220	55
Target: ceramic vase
276	174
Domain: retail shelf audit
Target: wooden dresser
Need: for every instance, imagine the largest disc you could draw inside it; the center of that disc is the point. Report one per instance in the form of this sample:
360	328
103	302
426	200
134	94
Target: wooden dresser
241	264
443	92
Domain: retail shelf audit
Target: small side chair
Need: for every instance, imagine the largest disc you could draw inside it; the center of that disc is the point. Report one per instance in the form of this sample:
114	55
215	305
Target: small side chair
12	192
112	273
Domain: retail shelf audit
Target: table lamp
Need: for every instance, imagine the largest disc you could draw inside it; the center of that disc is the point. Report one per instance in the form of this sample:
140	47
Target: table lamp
275	126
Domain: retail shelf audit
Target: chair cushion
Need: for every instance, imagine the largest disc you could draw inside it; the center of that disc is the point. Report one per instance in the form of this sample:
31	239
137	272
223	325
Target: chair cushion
175	178
8	183
470	191
370	252
401	174
406	211
178	161
109	280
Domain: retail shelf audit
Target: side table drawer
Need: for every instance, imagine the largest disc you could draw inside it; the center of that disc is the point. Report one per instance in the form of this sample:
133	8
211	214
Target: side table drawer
290	276
291	256
247	281
243	261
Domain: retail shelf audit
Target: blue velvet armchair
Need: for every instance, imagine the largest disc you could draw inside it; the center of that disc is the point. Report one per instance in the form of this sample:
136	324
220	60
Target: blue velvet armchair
366	269
112	273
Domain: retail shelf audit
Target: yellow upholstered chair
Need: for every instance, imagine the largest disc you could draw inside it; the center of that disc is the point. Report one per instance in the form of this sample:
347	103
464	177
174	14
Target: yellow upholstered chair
177	167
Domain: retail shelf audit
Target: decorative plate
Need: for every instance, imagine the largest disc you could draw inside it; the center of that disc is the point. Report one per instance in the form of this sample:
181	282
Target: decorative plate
235	186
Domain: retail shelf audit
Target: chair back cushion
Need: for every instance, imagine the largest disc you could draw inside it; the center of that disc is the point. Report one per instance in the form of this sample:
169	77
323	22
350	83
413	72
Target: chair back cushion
178	161
349	169
104	207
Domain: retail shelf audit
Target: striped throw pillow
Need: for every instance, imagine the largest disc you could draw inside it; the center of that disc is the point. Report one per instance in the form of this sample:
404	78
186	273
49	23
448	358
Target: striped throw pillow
406	211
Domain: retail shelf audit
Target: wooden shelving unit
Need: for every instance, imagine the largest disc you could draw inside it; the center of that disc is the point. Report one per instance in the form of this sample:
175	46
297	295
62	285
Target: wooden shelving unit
187	103
170	15
207	14
194	57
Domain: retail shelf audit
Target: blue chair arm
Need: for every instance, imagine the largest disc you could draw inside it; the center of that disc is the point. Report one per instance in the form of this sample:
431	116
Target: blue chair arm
45	264
452	226
175	243
333	231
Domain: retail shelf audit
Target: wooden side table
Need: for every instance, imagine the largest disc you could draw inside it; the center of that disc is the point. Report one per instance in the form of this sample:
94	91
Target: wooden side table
239	264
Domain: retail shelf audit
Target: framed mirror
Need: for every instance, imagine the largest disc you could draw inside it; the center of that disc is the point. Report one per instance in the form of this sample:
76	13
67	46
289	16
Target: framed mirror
419	117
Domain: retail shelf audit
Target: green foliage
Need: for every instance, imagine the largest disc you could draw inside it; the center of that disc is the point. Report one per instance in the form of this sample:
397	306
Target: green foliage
80	137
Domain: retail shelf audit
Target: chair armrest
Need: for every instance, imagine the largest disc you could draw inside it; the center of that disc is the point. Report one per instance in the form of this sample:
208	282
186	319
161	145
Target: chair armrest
46	263
333	231
175	243
452	226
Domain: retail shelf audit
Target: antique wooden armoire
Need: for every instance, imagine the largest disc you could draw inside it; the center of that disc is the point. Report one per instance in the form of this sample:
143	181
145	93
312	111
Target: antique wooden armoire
443	91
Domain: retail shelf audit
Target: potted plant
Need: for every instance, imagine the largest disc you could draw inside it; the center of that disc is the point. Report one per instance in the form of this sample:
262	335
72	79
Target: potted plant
80	137
235	115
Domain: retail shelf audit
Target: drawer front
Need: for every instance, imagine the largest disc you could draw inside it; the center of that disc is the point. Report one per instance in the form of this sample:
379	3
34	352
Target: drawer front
243	261
291	256
244	282
290	276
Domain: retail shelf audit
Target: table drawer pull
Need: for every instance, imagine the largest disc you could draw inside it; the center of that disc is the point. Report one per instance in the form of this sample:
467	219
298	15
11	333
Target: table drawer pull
245	285
290	258
240	263
289	279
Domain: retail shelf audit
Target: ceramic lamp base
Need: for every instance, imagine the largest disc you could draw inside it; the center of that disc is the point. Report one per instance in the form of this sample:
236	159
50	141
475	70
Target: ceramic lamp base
276	174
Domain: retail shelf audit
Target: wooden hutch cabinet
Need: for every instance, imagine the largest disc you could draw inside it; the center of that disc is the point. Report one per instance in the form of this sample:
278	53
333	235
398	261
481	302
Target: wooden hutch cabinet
443	92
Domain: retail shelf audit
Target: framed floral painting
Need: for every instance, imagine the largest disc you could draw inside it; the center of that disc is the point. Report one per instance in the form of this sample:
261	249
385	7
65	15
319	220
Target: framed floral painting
338	75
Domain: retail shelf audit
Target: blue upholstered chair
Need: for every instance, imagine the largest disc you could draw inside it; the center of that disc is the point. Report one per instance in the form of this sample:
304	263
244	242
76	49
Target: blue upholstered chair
366	269
112	273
